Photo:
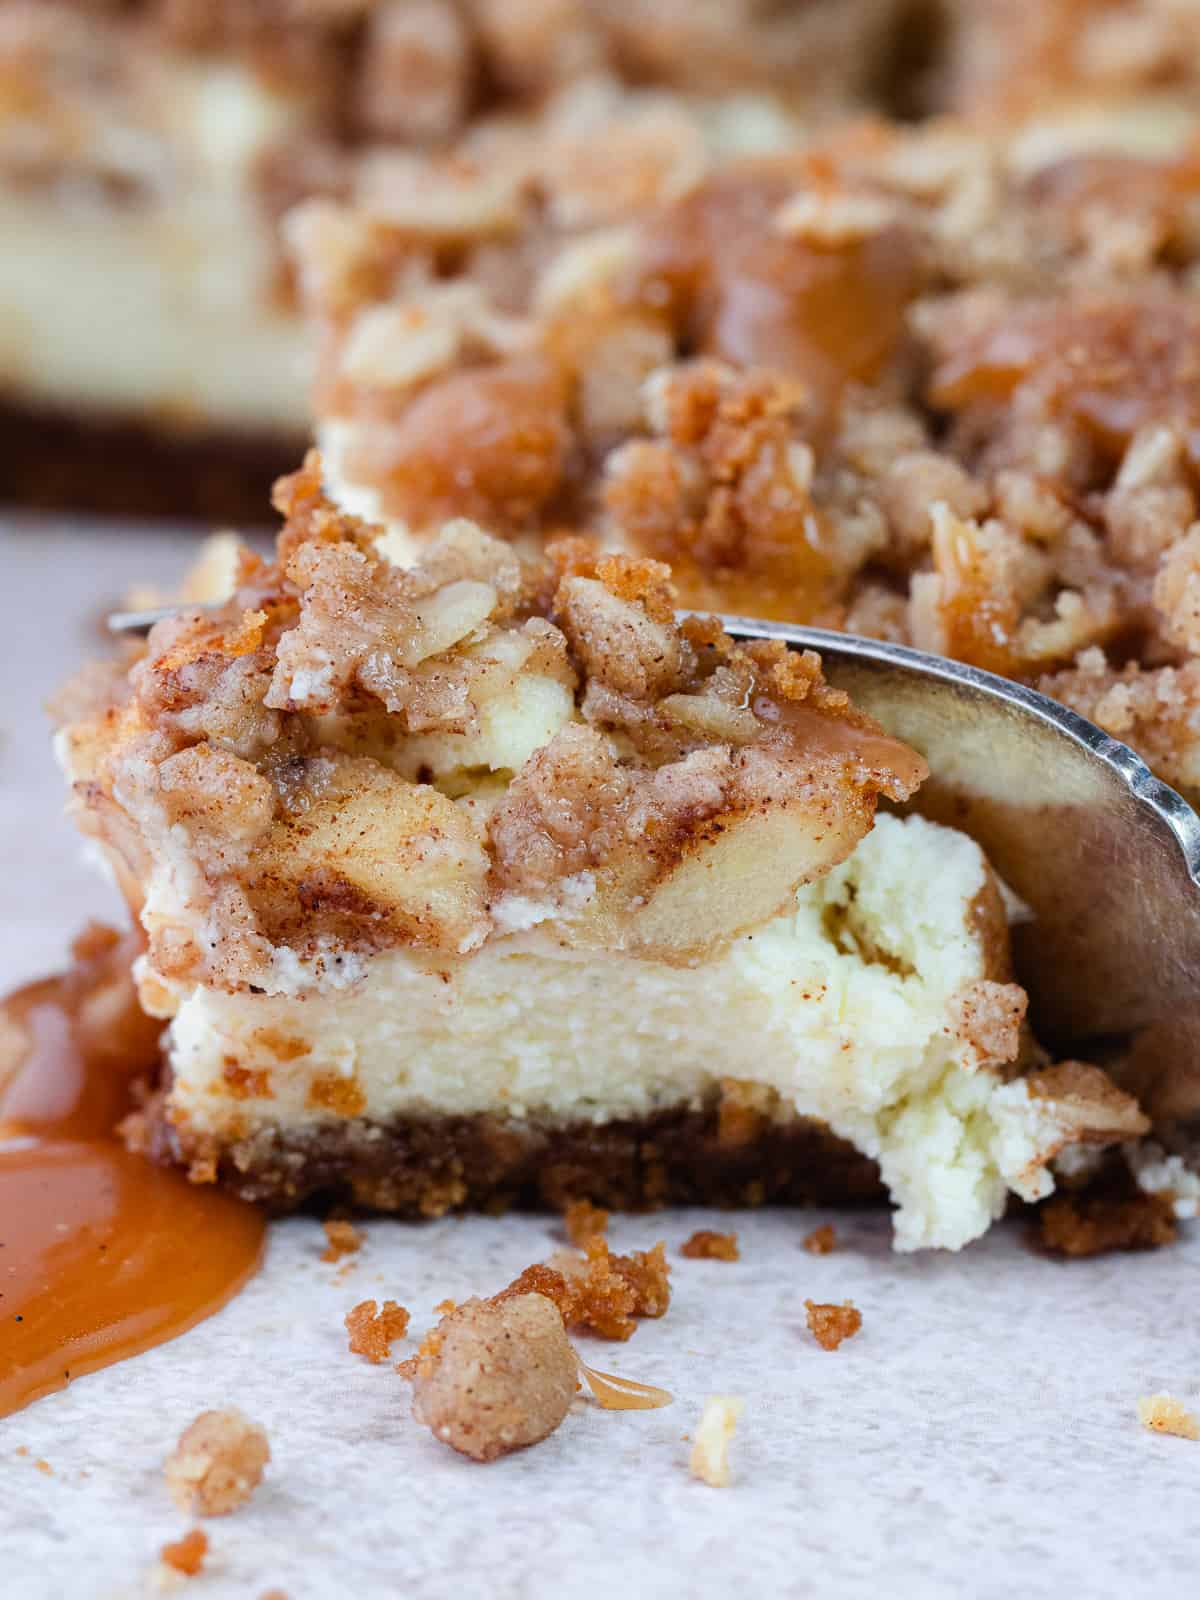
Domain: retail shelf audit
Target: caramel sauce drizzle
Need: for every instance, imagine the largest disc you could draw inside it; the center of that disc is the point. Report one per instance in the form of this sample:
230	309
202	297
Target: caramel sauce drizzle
615	1393
102	1253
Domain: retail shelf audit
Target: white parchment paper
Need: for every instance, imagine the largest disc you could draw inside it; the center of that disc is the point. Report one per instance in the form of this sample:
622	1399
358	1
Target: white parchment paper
977	1438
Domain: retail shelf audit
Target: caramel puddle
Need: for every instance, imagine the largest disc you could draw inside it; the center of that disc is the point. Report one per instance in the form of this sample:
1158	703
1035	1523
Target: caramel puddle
102	1254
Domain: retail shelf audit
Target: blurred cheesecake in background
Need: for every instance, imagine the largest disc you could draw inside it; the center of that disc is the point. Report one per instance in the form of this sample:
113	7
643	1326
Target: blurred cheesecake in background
152	354
936	383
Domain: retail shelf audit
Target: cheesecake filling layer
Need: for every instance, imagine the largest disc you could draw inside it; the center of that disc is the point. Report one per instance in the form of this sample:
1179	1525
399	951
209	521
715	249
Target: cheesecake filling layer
872	1003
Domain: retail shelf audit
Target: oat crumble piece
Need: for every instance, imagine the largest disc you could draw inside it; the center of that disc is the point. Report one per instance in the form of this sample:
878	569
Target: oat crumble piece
372	1330
830	1325
584	1221
186	1555
217	1464
1163	1413
705	1245
496	1376
344	1240
821	1240
710	1452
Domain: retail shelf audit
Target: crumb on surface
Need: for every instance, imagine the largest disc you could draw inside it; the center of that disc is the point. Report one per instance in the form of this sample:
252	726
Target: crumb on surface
601	1292
44	1466
217	1464
584	1221
344	1240
1096	1222
495	1375
830	1325
445	1307
1162	1413
710	1452
372	1328
821	1240
186	1555
705	1245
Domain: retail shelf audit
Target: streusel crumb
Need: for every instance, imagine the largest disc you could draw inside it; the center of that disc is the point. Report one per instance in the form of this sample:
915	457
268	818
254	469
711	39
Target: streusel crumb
344	1240
583	1221
710	1452
821	1240
830	1325
1162	1413
498	1375
217	1464
186	1555
704	1245
601	1292
373	1330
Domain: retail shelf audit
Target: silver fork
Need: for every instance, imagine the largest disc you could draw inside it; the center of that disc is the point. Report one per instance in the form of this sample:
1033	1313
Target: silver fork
1105	856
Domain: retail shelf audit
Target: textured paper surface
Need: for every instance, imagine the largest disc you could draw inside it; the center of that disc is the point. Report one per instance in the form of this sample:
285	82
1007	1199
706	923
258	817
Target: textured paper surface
977	1438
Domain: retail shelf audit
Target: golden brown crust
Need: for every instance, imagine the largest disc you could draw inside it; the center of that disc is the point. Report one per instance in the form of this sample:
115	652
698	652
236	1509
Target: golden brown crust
1106	1218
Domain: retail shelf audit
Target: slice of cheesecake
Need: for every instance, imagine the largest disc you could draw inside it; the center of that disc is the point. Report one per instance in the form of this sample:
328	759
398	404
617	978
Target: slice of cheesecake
482	881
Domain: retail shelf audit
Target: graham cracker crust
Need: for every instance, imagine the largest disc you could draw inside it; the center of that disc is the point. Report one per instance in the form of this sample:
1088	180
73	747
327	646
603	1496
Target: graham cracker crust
426	1167
126	466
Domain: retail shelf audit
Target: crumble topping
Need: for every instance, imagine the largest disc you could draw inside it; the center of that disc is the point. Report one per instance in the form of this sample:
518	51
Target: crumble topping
347	756
344	1240
705	1245
830	1325
495	1376
373	1329
710	1451
1162	1413
217	1464
821	1241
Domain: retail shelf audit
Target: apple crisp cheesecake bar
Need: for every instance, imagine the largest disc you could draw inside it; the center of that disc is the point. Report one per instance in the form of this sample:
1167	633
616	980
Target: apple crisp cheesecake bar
487	879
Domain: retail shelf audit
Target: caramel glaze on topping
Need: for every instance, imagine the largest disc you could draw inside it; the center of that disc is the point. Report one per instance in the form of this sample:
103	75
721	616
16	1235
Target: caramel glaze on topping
102	1254
741	290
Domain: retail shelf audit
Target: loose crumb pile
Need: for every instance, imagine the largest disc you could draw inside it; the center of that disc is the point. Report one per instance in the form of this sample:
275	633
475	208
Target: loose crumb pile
1162	1413
584	1221
495	1375
829	1325
1092	1224
821	1240
372	1330
186	1555
601	1292
217	1464
710	1452
344	1240
705	1245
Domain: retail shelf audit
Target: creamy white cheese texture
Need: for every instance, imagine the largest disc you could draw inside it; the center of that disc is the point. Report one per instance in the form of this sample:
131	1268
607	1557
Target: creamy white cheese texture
840	1004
